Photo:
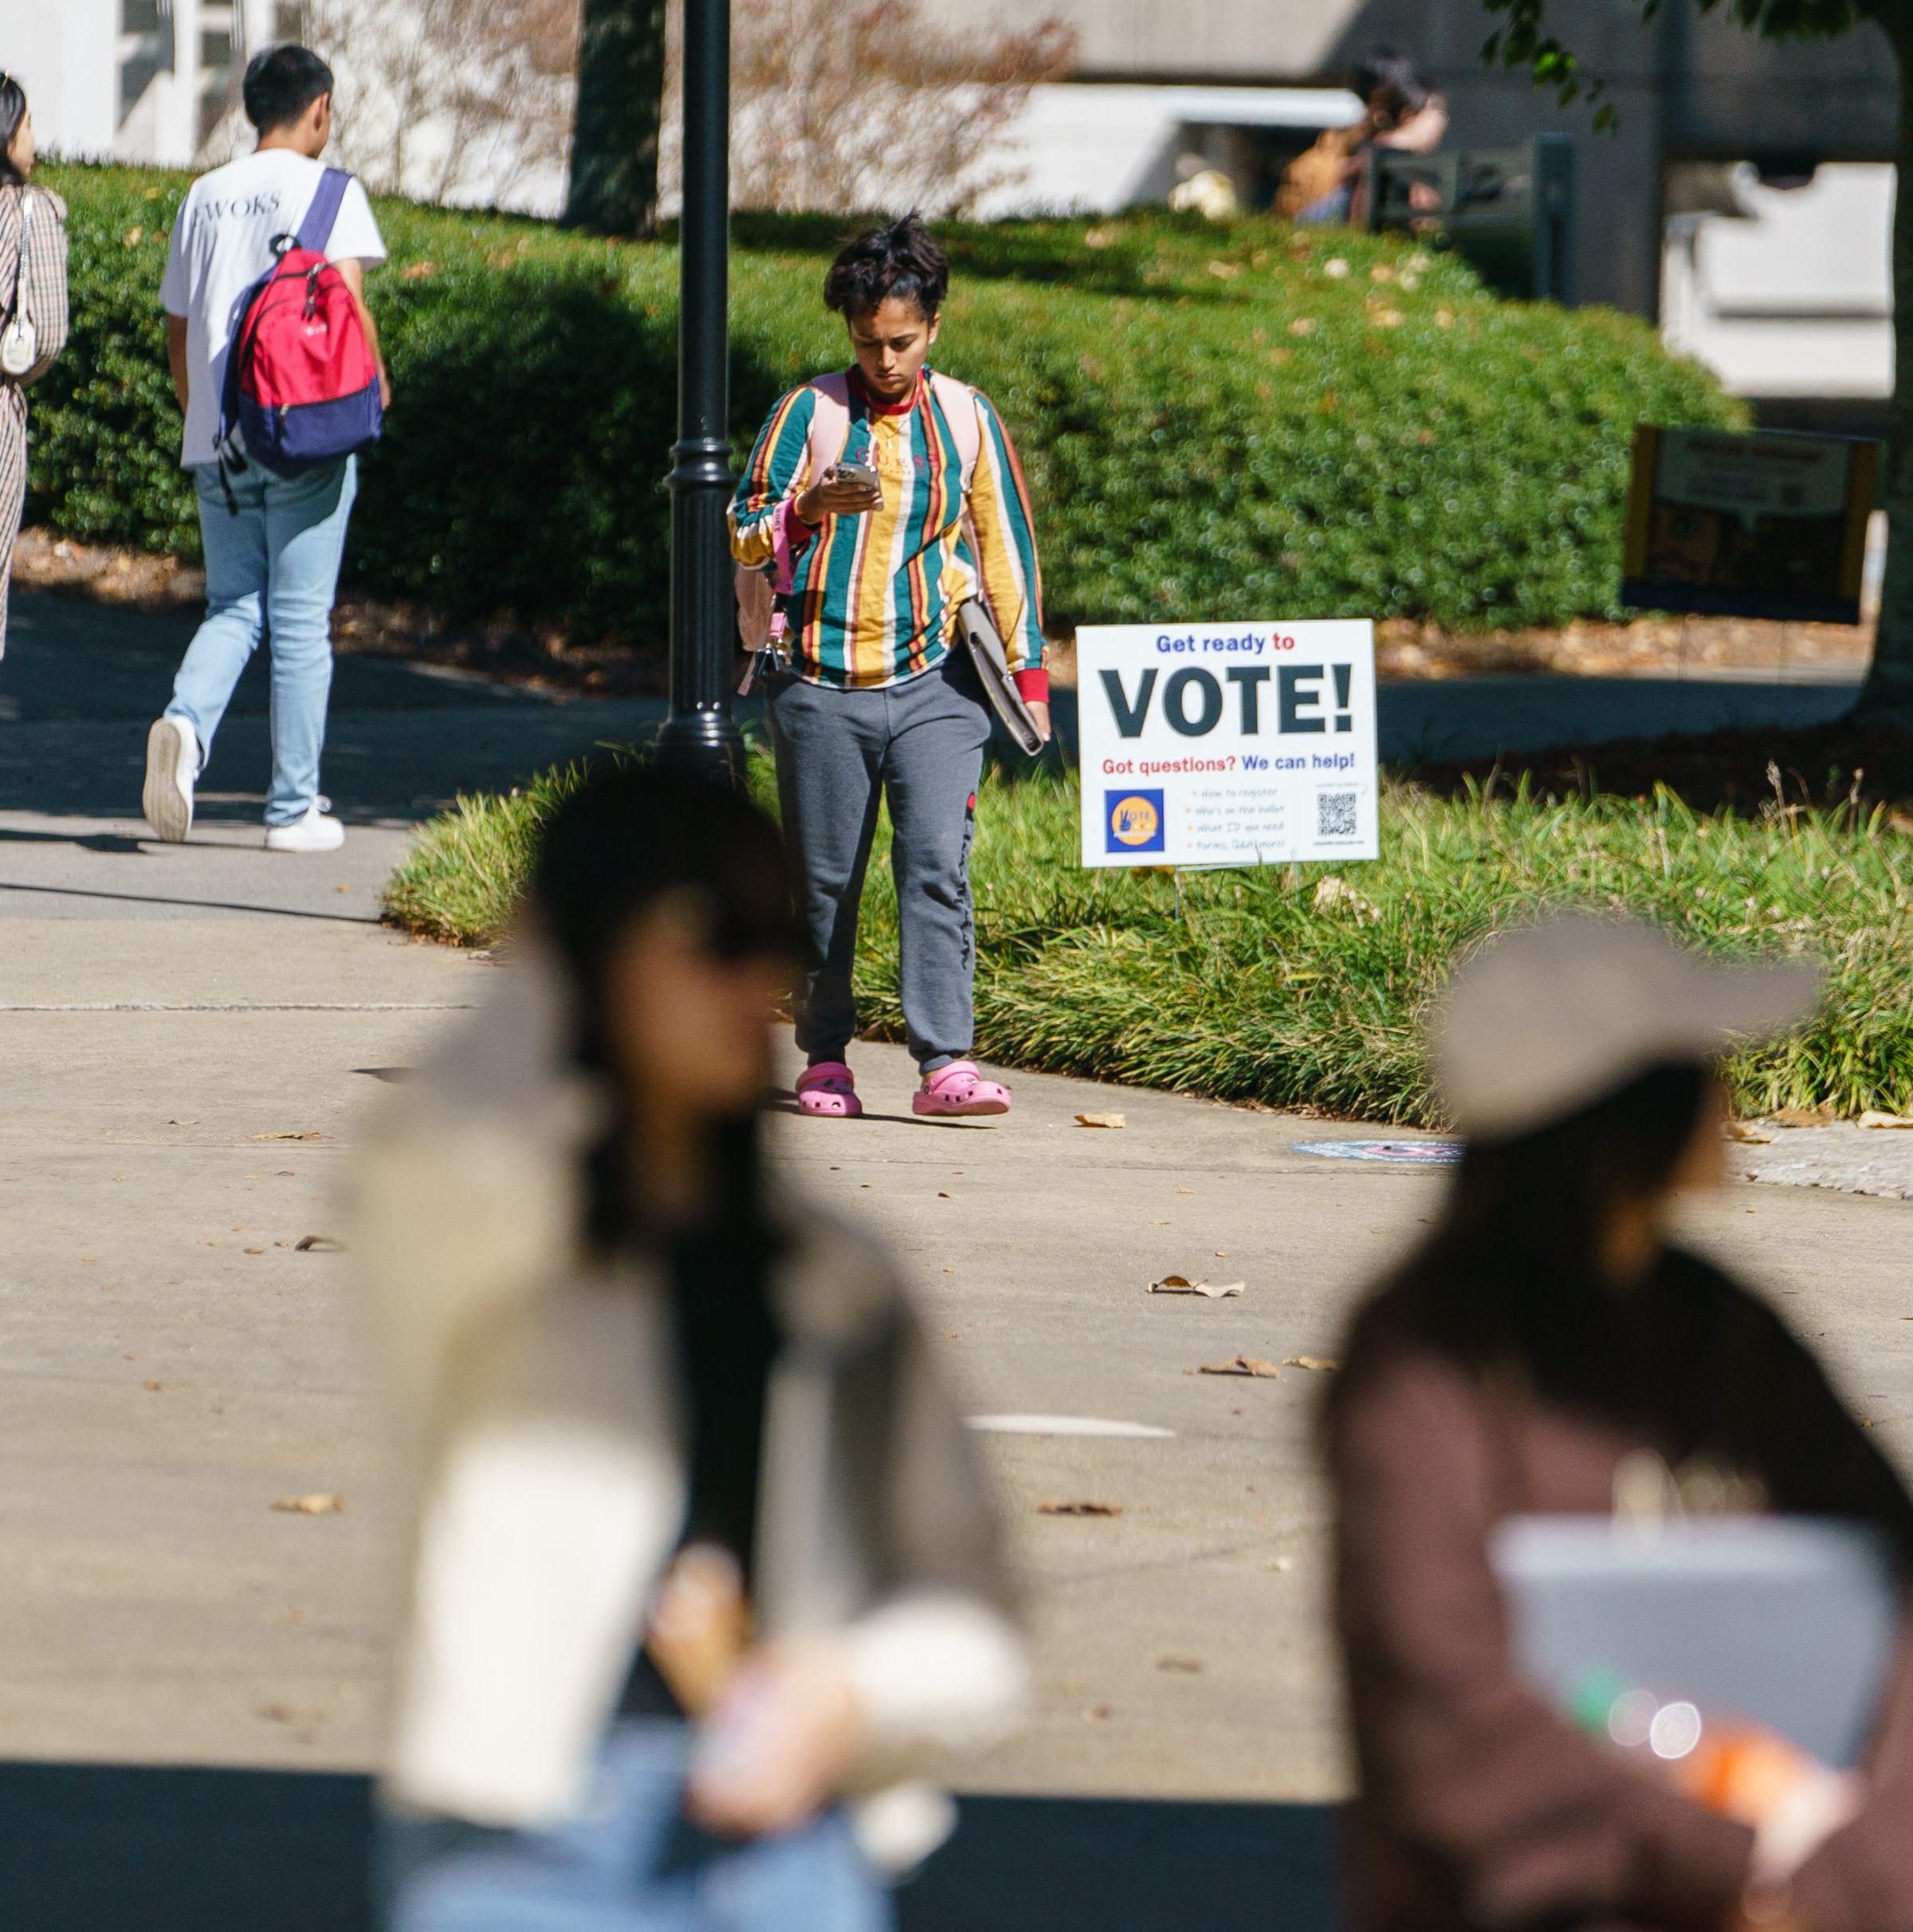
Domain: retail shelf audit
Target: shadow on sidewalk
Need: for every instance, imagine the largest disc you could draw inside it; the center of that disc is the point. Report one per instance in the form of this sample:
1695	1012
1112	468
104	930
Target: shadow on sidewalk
116	1848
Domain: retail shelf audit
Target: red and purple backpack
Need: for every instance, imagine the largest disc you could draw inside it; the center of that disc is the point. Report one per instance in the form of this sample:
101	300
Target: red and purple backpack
301	380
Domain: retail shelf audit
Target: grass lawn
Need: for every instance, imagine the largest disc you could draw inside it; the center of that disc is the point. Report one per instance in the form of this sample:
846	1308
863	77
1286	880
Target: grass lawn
1276	986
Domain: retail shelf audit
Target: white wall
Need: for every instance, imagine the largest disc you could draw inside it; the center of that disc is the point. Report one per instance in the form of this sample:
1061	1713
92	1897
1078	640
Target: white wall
70	56
62	53
1094	148
1795	296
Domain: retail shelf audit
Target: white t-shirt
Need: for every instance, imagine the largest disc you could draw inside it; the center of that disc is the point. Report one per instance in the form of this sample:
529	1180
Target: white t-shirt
222	244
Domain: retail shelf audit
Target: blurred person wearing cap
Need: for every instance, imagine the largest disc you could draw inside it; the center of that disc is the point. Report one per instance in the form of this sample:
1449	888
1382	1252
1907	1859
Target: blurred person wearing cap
1543	1340
701	1577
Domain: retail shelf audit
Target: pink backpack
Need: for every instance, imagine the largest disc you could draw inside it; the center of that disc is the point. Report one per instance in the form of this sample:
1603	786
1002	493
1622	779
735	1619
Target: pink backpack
760	622
301	381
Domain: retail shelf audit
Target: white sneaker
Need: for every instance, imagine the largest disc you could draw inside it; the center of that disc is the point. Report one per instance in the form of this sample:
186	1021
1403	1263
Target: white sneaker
172	761
315	832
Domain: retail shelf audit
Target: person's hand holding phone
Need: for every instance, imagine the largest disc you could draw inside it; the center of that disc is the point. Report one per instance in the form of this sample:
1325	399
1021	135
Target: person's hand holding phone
845	489
773	1750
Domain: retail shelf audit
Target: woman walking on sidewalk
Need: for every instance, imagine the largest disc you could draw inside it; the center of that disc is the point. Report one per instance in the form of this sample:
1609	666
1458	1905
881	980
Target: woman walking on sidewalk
33	325
884	497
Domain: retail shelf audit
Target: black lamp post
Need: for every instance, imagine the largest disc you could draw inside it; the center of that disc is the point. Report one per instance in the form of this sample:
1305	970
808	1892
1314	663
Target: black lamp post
700	734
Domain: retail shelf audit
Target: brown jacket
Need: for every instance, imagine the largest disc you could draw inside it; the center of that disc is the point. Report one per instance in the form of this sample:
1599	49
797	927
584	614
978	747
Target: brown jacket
1479	1806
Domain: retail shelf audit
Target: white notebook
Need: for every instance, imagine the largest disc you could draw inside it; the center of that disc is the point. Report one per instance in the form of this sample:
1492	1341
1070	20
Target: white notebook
1790	1621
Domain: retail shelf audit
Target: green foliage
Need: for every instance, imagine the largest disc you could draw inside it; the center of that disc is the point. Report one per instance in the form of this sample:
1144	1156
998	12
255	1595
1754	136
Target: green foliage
1239	988
105	429
462	879
1524	40
1215	419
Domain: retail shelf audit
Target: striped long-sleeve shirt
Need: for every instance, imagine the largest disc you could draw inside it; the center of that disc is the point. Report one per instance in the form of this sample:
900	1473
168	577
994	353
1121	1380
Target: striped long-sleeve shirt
875	597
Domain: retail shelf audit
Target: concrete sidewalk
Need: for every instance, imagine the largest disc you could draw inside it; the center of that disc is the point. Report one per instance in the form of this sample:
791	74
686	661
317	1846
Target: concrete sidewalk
190	1062
174	1364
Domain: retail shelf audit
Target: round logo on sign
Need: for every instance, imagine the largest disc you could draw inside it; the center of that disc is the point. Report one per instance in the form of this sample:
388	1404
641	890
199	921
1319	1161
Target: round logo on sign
1134	821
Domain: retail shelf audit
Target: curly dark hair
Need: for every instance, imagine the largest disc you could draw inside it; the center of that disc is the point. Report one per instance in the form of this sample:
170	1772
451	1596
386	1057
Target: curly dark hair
901	260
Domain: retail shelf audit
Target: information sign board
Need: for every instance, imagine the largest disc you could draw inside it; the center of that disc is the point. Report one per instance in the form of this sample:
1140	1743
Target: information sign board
1226	745
1772	525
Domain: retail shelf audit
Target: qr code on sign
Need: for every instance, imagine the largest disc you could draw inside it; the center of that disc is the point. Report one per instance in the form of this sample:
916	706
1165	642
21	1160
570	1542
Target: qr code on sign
1335	815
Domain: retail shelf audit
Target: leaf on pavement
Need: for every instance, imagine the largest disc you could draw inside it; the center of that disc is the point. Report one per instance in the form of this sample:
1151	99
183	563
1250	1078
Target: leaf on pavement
1324	1363
318	1244
322	1502
1800	1117
285	1137
1079	1509
1242	1364
1181	1284
1102	1120
1871	1119
1746	1131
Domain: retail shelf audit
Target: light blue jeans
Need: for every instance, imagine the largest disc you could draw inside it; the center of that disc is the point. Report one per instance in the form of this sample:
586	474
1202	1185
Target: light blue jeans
272	567
629	1863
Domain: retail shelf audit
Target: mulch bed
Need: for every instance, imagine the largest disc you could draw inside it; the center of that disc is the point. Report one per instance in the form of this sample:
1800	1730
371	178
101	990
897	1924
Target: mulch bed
1747	771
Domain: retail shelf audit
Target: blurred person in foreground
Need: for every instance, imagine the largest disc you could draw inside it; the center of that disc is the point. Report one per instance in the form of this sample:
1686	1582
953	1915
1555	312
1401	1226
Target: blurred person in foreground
703	1570
1544	1341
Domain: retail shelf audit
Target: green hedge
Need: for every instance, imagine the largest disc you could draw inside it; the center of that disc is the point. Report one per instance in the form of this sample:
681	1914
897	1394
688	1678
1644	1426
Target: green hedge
1422	450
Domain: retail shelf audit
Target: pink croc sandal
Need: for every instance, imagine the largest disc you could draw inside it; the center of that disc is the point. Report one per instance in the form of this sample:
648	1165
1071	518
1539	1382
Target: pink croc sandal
829	1088
960	1089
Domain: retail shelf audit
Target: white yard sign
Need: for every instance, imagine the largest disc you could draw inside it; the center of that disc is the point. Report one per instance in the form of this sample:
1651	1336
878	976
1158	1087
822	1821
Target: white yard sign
1226	745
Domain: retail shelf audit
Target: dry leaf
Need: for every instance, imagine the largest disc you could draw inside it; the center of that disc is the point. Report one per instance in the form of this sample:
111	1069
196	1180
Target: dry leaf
318	1244
154	1386
1324	1363
1189	1666
1871	1119
1079	1509
1101	1120
1181	1284
255	1251
1743	1130
1801	1116
1335	894
321	1503
285	1137
1242	1364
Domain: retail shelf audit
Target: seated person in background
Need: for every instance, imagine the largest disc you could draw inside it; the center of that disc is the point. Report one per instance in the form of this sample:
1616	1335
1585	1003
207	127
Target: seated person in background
1543	1342
702	1570
1400	112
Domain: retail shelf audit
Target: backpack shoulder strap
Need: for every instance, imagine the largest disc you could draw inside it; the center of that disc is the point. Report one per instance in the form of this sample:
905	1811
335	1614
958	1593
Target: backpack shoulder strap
959	404
830	422
316	230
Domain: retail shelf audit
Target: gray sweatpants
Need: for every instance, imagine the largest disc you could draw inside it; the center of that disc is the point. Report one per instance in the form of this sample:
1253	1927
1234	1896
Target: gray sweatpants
920	743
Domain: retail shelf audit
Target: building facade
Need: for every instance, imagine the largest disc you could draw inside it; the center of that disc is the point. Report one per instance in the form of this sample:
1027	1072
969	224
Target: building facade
136	80
1745	199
